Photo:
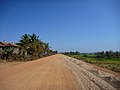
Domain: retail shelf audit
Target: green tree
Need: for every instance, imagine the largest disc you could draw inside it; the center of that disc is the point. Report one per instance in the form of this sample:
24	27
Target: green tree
24	44
109	54
77	53
32	45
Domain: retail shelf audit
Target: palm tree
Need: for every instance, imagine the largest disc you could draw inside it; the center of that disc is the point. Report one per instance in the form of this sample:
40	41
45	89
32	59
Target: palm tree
24	44
31	45
34	38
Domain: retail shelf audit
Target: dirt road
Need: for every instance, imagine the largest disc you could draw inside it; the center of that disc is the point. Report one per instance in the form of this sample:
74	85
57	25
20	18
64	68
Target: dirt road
55	72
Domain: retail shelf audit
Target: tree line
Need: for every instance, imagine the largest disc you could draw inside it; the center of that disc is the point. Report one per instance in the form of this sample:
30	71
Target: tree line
108	54
71	53
29	47
102	54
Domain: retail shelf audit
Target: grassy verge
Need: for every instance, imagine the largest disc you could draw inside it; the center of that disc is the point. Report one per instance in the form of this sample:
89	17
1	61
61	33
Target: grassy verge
111	64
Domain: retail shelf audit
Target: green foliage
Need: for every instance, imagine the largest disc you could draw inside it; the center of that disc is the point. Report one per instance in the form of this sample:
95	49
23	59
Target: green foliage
108	54
6	53
29	47
85	55
109	63
71	53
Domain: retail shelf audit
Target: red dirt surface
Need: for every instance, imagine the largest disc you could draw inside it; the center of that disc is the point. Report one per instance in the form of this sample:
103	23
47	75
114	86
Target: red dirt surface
43	74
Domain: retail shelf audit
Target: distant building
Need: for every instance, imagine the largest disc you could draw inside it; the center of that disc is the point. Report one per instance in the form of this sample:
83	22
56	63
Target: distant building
7	44
4	45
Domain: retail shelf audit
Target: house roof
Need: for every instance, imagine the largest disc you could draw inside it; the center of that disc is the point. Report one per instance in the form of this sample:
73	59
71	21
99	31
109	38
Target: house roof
1	44
4	44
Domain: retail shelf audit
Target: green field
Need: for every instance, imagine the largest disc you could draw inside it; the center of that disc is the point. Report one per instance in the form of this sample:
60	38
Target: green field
111	64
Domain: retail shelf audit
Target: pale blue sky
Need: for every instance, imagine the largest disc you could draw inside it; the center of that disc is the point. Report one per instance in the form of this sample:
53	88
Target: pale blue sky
67	25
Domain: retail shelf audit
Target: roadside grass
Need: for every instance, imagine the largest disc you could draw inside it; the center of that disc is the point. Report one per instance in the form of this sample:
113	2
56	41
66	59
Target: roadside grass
111	64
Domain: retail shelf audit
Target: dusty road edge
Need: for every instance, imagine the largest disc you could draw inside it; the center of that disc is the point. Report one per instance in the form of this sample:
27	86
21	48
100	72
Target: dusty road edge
87	80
